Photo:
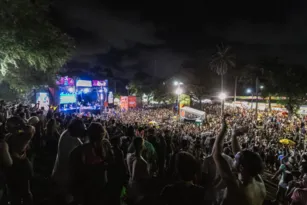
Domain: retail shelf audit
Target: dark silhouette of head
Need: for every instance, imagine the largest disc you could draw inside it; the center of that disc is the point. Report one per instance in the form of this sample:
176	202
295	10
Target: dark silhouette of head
248	163
95	132
138	144
186	166
76	128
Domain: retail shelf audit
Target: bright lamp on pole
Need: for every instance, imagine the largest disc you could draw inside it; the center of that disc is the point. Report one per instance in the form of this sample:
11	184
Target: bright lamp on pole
261	87
178	91
249	91
222	96
175	83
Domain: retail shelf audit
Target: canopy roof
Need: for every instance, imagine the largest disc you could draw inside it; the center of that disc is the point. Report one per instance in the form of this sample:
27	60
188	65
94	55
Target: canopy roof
193	111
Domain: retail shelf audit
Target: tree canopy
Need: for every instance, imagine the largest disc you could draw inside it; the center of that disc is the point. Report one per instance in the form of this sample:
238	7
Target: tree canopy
222	60
27	37
289	82
24	78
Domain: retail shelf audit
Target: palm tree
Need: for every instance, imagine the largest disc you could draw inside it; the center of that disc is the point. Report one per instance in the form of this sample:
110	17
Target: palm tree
221	61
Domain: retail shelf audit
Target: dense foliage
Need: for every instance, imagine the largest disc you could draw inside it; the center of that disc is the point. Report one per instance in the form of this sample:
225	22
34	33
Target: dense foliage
28	38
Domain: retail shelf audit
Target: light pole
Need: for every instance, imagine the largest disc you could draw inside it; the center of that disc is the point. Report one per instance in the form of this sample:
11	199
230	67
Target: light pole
178	92
222	97
257	94
249	91
101	104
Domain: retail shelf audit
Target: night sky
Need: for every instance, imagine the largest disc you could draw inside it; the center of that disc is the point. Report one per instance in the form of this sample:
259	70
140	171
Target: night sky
129	37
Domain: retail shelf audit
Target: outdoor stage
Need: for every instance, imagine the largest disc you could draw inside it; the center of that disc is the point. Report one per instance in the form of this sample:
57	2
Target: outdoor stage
83	96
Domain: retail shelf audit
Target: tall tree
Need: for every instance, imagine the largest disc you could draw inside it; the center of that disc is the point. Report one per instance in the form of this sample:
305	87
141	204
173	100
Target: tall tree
6	93
198	93
221	61
24	78
163	94
28	36
142	84
288	82
270	67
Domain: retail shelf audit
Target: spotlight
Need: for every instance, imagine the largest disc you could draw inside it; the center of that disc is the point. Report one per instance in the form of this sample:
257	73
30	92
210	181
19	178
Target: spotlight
86	90
70	90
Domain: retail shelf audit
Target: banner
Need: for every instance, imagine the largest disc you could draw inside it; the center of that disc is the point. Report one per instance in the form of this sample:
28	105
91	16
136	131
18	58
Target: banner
124	102
43	100
65	81
100	83
110	98
132	101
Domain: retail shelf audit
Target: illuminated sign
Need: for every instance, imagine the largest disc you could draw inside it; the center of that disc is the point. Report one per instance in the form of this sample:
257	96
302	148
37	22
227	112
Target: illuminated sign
124	102
67	98
100	83
43	100
84	83
65	81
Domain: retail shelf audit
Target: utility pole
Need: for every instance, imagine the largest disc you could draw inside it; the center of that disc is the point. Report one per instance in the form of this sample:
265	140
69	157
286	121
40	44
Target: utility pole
257	94
114	86
155	73
235	91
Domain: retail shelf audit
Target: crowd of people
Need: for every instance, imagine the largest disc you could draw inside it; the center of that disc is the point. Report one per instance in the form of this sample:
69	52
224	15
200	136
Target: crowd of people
147	156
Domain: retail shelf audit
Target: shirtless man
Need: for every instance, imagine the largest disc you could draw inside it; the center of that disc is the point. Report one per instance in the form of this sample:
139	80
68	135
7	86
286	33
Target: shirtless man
248	188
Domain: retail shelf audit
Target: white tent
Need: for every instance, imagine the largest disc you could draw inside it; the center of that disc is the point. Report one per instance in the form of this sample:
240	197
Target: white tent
200	114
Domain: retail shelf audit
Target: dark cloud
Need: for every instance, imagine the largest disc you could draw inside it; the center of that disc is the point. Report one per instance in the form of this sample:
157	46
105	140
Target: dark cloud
103	29
293	33
119	40
160	63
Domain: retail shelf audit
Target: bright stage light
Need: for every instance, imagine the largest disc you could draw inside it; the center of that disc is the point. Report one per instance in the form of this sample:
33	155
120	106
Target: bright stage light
70	90
178	91
86	90
222	96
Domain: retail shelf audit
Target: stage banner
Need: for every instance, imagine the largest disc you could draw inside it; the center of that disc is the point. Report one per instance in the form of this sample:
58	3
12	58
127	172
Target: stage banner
43	100
124	102
132	101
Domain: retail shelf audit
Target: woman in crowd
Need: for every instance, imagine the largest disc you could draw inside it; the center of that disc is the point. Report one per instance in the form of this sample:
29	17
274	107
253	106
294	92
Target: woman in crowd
20	173
88	167
69	140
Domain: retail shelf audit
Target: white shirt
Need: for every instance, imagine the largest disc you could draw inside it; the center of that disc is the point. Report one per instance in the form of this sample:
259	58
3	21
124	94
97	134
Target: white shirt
60	171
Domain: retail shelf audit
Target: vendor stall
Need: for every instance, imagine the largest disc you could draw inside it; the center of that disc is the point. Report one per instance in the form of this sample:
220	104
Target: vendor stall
191	114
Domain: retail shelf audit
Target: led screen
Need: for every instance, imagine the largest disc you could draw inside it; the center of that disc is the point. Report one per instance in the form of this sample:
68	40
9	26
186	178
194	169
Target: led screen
100	83
43	100
65	81
67	98
84	83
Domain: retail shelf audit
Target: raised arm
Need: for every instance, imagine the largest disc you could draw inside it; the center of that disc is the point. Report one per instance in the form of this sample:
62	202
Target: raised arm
219	141
221	164
234	142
